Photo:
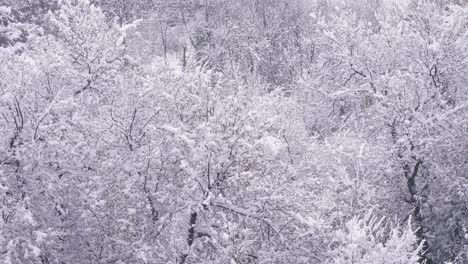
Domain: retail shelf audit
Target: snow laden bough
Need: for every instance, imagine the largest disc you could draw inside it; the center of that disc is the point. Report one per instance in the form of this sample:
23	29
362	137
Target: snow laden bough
370	239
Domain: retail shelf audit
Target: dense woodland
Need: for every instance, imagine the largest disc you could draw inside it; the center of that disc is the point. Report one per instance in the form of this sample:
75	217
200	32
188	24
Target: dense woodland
233	131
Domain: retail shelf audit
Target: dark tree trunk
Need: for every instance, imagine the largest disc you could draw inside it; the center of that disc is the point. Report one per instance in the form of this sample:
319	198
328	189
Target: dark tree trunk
414	200
190	235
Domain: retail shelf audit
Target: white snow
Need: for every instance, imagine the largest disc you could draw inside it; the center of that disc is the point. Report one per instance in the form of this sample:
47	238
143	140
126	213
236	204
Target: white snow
40	236
131	211
271	145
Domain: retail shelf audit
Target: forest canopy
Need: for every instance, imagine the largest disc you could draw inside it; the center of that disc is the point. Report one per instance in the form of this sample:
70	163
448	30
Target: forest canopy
234	131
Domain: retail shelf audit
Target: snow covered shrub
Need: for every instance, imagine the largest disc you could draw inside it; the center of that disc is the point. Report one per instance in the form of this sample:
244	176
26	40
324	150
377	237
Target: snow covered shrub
374	240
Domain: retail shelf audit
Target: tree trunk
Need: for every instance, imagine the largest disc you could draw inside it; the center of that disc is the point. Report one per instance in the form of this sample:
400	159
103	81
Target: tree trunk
410	175
190	235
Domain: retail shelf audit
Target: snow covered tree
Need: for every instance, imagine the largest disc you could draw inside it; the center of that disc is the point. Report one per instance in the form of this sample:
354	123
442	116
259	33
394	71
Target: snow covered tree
249	132
369	239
